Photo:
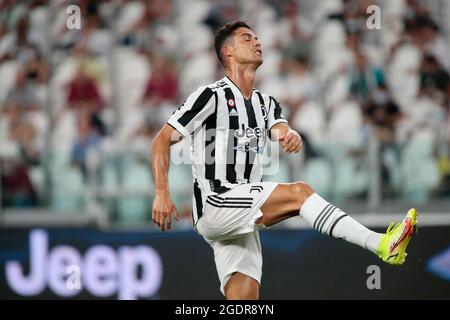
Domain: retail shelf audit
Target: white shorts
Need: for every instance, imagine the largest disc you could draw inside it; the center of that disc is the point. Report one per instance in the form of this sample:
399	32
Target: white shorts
228	225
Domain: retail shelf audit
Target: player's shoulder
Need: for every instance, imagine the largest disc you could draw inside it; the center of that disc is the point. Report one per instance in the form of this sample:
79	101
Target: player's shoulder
265	96
218	85
212	87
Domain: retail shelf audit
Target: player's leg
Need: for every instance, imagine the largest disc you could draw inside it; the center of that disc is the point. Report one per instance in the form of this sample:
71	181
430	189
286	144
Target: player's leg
241	287
291	199
239	266
284	202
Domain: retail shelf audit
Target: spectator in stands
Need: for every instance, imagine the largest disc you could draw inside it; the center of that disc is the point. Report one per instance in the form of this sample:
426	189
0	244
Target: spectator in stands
161	92
24	94
435	44
83	96
433	77
36	68
382	114
300	85
18	189
220	12
88	139
295	31
364	78
162	84
140	32
354	15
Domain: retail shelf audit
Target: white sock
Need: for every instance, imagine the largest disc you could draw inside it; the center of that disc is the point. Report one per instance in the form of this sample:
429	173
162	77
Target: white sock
373	241
330	220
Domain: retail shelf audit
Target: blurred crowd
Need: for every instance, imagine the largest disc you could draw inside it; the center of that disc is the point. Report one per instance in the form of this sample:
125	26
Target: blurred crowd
78	108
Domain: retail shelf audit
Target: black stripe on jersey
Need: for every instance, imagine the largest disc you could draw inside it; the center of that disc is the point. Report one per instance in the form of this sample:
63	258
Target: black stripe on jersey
260	97
250	156
216	186
198	201
277	111
230	198
210	138
220	203
198	105
269	133
233	125
227	206
261	101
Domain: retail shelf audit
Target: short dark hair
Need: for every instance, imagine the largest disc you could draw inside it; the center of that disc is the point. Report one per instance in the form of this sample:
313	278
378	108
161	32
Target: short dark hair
224	32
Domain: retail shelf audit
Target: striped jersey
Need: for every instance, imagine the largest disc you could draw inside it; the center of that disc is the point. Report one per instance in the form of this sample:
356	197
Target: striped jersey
228	134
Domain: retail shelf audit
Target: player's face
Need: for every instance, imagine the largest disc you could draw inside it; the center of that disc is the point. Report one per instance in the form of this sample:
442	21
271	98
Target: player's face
246	47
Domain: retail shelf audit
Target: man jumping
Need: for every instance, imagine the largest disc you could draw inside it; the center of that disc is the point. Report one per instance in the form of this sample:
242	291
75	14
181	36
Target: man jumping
229	122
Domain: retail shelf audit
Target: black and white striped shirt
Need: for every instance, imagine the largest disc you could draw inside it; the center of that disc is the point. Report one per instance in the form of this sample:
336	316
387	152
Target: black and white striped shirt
228	134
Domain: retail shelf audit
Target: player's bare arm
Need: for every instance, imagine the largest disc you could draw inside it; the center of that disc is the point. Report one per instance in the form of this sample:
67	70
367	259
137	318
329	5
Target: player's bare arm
163	207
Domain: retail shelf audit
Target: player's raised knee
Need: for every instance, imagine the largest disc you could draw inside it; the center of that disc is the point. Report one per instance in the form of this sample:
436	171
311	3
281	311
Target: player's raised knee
301	191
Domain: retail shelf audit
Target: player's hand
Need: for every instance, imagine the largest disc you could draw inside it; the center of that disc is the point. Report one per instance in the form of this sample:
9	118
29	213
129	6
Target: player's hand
162	210
291	141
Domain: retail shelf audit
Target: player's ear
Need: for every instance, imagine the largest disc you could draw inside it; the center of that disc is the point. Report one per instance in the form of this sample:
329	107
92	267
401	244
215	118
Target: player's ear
227	50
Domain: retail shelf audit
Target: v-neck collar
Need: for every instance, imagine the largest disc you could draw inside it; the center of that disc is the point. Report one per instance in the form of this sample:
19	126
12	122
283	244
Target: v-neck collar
230	82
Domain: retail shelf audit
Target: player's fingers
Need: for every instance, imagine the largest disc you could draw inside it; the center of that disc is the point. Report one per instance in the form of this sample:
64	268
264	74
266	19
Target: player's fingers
175	213
296	146
289	138
297	143
155	217
164	224
158	219
162	221
169	221
291	146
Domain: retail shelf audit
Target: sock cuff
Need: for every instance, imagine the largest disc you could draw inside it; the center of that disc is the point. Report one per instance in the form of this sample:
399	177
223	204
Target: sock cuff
314	203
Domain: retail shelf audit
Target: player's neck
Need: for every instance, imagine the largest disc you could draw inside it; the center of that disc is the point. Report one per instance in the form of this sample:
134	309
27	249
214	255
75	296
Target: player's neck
243	78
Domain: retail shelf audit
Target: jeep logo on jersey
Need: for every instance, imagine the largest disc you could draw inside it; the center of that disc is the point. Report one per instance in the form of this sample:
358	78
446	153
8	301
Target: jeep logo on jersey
250	133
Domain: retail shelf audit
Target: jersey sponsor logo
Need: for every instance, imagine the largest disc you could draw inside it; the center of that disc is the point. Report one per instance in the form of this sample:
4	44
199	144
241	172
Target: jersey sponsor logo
250	133
245	147
233	113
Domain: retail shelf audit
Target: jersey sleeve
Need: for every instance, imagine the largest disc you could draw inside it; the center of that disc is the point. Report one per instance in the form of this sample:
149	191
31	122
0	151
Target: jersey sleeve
275	113
196	109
